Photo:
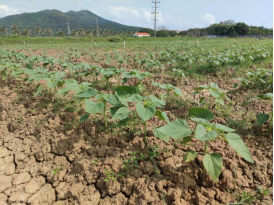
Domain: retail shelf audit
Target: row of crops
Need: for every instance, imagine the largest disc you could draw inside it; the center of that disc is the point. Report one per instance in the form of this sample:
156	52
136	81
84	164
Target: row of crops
120	97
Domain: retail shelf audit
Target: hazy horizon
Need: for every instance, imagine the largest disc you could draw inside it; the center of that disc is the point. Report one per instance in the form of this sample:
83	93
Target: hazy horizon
173	14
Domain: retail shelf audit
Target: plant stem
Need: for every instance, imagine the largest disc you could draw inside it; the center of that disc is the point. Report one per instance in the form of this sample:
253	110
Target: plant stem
168	96
145	132
206	144
105	117
205	152
271	121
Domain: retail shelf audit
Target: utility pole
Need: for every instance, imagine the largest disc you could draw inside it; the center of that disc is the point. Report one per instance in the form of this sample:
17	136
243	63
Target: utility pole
97	27
68	29
155	16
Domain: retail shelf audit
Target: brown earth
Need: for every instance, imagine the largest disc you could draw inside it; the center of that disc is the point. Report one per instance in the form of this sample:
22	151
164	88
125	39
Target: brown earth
42	161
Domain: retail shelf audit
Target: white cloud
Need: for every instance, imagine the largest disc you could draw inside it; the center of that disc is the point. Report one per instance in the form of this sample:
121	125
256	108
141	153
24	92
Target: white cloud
143	18
208	19
5	11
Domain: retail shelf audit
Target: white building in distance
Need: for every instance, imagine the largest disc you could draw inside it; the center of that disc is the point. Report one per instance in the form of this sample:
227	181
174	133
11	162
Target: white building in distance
141	35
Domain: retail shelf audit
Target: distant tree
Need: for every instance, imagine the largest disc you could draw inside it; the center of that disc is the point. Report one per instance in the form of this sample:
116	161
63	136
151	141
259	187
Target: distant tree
26	32
88	33
222	30
74	33
183	33
81	32
48	32
38	31
162	33
94	32
204	32
241	28
194	32
211	30
15	30
3	31
229	23
147	30
232	32
173	33
61	34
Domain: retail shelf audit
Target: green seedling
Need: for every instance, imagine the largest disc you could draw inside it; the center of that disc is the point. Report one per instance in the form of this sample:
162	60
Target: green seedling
179	74
215	91
56	170
170	89
205	132
146	107
262	118
111	176
251	197
139	75
260	78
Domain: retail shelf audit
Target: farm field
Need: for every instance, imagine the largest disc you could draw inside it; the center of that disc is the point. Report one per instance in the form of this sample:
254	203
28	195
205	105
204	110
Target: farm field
158	122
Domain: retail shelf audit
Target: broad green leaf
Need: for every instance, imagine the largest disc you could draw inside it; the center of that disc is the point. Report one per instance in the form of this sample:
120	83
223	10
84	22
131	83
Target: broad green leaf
178	91
123	123
199	112
160	135
201	121
162	116
93	108
50	84
39	90
156	101
112	99
84	118
189	156
163	86
214	94
236	142
202	135
113	110
128	93
145	113
262	118
223	128
213	164
87	94
177	129
186	140
121	114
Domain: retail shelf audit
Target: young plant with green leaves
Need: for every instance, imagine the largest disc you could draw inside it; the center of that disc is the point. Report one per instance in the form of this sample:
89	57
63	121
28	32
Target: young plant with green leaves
260	78
109	73
206	131
170	89
262	118
178	74
215	91
99	106
140	76
146	107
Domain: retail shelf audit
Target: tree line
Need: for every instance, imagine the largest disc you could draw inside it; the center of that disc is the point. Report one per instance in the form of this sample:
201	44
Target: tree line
227	28
47	32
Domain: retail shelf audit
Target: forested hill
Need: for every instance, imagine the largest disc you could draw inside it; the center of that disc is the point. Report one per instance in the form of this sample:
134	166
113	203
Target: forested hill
57	20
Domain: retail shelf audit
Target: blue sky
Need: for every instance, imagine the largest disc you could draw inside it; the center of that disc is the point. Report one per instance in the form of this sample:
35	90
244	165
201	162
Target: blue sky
174	14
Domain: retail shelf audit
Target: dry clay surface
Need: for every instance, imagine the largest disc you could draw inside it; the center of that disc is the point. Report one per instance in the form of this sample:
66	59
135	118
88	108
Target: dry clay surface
34	143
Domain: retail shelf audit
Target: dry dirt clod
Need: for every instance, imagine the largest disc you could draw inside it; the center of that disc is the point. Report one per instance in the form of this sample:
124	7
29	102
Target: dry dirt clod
21	178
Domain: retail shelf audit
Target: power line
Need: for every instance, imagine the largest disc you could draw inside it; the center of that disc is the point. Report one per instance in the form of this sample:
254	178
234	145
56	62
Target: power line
155	16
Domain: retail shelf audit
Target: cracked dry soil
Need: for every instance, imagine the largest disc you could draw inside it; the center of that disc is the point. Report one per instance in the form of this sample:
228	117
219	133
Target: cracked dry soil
42	163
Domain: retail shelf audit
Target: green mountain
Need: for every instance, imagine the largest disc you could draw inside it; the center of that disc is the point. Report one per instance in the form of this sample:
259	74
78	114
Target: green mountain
57	20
